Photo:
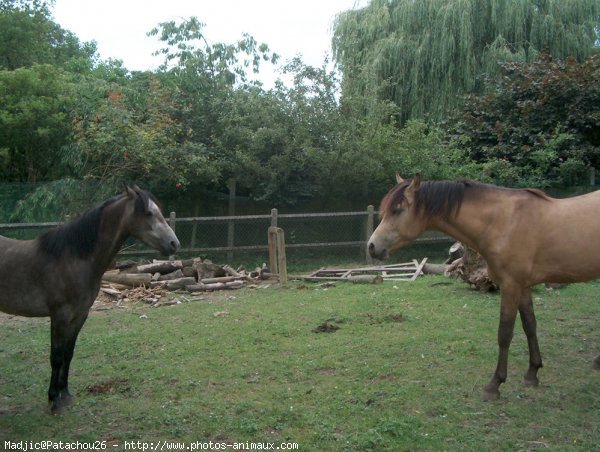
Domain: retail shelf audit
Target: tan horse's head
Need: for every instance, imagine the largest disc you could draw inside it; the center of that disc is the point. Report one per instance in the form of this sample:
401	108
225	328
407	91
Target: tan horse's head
401	221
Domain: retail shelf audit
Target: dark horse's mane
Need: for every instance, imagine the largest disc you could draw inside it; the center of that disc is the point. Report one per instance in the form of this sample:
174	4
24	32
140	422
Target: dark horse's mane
441	198
78	238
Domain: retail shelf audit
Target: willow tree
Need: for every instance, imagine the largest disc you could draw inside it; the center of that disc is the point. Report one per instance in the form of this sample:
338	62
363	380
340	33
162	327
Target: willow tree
419	56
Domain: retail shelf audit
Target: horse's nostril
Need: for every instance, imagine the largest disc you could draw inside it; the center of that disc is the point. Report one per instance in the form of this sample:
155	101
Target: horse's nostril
371	246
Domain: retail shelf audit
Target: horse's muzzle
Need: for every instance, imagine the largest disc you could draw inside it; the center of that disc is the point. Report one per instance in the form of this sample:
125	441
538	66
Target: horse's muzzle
171	247
375	253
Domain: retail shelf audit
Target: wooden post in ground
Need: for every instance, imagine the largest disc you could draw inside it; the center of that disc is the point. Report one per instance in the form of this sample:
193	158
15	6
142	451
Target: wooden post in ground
172	221
277	258
281	259
273	264
194	227
370	227
230	224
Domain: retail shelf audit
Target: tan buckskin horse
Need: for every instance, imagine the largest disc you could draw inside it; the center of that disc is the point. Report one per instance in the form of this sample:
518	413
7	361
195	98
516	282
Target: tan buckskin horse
60	271
525	236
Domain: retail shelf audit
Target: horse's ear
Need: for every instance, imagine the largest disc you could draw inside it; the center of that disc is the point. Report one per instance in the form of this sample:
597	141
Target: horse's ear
399	179
415	184
131	192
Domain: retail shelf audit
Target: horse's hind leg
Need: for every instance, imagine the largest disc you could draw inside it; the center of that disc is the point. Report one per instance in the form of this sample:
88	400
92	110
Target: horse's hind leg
64	331
508	313
529	326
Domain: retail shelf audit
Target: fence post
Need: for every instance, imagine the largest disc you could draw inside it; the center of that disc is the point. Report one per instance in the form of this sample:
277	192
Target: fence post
281	259
194	227
274	214
273	267
231	224
370	226
277	259
172	221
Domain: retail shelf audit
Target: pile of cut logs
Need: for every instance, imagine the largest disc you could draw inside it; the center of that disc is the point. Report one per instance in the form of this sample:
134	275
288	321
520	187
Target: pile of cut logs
194	275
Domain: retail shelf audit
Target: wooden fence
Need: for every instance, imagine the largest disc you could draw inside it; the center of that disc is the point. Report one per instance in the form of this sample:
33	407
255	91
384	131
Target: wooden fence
230	223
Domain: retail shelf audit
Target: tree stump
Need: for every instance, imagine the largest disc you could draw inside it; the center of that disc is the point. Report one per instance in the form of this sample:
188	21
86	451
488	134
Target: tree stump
472	268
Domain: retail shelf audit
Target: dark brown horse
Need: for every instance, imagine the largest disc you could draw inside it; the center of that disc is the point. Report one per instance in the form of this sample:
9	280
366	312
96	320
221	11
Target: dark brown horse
525	236
62	269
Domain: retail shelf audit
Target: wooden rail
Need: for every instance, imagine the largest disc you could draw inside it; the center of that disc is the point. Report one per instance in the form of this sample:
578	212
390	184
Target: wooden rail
270	220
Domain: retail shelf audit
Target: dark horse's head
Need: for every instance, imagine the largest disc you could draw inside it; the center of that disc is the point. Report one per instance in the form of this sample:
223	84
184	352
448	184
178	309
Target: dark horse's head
145	221
134	212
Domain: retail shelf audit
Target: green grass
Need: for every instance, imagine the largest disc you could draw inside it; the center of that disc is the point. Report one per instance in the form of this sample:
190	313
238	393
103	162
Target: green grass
404	371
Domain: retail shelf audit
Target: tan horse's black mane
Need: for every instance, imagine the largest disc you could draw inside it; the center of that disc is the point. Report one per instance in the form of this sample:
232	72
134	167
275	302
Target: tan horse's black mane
78	238
441	198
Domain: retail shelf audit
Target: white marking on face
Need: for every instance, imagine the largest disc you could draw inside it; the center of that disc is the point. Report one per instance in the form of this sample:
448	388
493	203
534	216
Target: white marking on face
152	207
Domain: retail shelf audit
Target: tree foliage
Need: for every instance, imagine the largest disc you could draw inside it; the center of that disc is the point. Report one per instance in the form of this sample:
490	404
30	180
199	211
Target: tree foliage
35	106
540	126
37	90
422	55
29	36
187	49
85	126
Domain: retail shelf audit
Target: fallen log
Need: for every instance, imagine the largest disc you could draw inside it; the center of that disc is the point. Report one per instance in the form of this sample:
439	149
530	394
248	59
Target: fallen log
366	279
180	283
201	287
174	284
128	279
198	287
221	279
231	272
435	269
161	267
110	291
189	271
207	269
226	285
173	275
125	265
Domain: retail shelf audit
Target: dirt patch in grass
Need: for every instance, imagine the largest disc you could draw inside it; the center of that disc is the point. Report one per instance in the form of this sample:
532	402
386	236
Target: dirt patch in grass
326	370
375	319
112	386
396	318
326	327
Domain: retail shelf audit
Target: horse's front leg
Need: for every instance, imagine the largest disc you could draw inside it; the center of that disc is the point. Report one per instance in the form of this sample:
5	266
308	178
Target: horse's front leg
508	313
64	329
529	326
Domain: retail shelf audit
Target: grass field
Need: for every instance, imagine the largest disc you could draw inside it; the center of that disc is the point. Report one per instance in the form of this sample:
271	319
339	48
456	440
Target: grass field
403	371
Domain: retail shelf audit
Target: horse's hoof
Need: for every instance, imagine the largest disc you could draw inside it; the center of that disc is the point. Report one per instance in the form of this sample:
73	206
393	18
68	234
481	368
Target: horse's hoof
56	408
532	382
490	395
58	405
596	364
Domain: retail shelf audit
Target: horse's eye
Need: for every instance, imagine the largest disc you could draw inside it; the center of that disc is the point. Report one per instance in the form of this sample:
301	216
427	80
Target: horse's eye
398	210
149	213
